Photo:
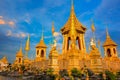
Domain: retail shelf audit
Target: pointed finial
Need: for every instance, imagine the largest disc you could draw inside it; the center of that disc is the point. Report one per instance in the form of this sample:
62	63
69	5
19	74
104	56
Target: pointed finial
107	33
52	23
20	47
92	20
98	42
107	30
72	2
27	46
92	26
53	29
42	37
72	5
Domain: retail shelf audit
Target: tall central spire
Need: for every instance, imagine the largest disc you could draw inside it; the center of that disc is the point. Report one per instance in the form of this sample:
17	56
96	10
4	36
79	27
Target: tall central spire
72	8
72	3
72	15
73	23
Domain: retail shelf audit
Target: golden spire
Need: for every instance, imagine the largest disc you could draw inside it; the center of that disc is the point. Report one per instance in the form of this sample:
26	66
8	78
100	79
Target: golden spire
20	50
107	33
42	37
53	29
73	30
72	8
72	13
108	41
41	43
27	46
93	31
4	60
92	26
73	22
19	53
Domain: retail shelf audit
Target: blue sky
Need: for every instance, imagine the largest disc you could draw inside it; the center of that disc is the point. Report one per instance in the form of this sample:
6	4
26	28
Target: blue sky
18	18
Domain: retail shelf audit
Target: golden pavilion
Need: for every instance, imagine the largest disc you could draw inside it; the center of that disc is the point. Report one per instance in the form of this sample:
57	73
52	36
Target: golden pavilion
74	54
3	63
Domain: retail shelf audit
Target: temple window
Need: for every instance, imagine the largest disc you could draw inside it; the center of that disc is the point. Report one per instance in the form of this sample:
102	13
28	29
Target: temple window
42	53
114	50
68	43
78	42
109	53
37	52
19	60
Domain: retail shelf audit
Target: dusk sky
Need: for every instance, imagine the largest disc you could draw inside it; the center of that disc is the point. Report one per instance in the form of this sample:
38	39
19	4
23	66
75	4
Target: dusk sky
18	18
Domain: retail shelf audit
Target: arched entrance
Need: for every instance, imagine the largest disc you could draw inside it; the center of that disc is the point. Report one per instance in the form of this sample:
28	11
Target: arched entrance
109	53
42	53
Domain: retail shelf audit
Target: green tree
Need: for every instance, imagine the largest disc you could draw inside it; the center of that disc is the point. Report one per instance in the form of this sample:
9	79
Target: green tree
110	75
50	74
100	75
76	73
118	74
22	67
63	73
49	71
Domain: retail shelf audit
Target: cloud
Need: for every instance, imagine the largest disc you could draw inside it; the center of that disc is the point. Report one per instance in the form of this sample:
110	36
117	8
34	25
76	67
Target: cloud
1	17
56	34
23	34
46	37
8	22
27	21
88	33
9	33
2	21
11	23
89	14
27	18
17	35
20	35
